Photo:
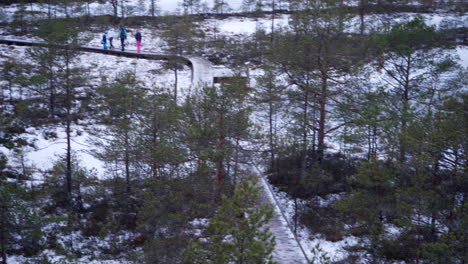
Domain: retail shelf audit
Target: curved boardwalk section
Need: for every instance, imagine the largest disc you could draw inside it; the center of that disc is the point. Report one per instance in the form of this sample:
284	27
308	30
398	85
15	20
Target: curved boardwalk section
201	69
288	250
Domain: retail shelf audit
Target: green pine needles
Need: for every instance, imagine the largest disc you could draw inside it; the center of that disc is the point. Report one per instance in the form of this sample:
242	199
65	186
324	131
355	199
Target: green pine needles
237	233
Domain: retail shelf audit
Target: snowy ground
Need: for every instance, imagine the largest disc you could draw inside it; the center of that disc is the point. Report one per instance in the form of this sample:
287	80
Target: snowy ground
132	8
46	152
334	250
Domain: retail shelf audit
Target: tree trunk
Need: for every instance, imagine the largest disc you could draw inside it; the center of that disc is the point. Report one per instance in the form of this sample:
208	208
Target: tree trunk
322	118
272	21
236	161
271	125
362	7
369	143
153	8
405	112
305	116
154	161
296	214
115	7
68	99
51	97
88	9
122	9
127	163
220	170
3	236
176	79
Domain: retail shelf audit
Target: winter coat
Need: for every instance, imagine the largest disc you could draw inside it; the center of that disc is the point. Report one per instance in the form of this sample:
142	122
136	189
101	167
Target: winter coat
122	33
138	36
104	39
110	33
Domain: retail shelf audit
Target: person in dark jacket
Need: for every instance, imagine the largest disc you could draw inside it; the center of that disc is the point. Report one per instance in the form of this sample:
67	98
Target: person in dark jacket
138	40
104	40
123	36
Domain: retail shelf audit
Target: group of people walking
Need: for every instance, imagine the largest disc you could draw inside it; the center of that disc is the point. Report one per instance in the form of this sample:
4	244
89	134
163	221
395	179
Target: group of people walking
109	35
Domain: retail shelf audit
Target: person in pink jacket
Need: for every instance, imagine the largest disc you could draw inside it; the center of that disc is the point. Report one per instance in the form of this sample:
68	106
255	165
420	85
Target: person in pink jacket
138	40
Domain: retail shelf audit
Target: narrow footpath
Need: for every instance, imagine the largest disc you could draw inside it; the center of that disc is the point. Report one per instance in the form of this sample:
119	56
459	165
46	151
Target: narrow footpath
288	249
202	70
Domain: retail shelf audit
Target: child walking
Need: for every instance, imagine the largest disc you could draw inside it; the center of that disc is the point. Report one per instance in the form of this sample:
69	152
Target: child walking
104	40
138	40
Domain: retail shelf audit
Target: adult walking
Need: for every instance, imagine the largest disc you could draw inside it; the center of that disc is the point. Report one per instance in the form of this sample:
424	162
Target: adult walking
123	37
138	40
110	36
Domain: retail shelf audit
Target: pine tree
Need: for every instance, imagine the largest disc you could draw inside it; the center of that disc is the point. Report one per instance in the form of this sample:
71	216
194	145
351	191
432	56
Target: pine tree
434	181
372	202
153	9
365	118
237	233
312	58
181	39
120	102
270	96
217	118
220	6
191	6
169	205
20	223
160	133
411	59
248	5
57	79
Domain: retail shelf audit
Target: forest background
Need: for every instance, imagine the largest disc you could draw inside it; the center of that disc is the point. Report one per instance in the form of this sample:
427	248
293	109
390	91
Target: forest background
354	110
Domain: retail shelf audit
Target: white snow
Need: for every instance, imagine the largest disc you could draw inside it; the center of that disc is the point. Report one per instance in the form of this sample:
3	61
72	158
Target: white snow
462	52
244	26
132	8
47	151
150	73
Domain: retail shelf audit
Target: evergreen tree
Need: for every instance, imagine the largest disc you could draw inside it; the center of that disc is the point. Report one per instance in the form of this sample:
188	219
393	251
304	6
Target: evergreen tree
237	233
248	5
120	103
153	9
169	206
271	97
411	59
365	121
435	183
314	60
57	80
20	223
220	6
373	203
191	6
160	134
181	39
218	119
115	7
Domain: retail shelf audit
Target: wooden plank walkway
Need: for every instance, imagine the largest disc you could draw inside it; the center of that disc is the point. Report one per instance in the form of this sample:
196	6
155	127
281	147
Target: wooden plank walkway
288	249
202	72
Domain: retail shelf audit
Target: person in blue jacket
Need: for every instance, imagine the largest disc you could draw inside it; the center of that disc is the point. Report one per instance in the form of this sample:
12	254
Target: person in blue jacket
104	40
123	36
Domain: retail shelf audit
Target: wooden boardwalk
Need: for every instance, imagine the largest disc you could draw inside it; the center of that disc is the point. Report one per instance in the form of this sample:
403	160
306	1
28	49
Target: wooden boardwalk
288	249
202	70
